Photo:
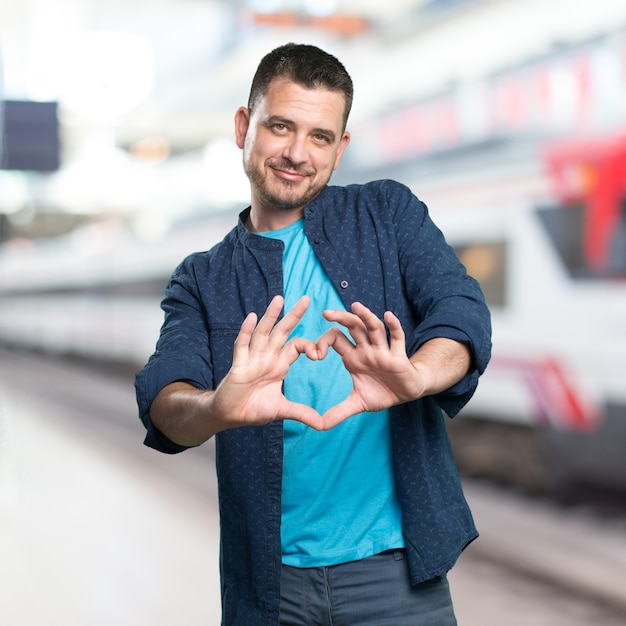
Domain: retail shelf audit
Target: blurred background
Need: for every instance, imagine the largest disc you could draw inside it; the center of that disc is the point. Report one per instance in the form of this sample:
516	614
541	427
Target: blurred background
117	159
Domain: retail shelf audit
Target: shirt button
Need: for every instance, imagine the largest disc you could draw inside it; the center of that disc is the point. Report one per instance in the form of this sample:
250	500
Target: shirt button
344	284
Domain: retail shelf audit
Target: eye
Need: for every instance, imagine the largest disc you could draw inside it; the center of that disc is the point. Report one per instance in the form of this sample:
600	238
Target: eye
321	138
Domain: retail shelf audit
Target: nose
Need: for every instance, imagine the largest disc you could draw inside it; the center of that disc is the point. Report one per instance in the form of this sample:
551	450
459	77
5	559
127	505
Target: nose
296	149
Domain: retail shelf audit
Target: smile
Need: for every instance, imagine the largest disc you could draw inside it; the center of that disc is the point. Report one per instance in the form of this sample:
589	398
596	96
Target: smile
290	176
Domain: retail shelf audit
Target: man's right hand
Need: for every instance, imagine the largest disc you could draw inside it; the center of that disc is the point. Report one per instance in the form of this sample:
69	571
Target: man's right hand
251	393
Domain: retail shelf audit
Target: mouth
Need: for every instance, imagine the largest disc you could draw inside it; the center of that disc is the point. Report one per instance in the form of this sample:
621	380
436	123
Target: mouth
289	174
293	177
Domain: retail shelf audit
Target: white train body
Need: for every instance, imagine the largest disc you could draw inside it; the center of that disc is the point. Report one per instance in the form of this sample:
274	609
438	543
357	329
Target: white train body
559	342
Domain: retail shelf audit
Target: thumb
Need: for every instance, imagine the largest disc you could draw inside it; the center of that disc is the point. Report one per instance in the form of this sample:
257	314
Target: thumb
340	412
303	414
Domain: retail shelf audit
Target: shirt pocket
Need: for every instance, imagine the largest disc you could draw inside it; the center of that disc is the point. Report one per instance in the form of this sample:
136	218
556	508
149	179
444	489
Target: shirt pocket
221	344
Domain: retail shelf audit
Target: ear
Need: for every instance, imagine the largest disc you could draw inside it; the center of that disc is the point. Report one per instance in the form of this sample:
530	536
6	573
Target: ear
242	123
343	142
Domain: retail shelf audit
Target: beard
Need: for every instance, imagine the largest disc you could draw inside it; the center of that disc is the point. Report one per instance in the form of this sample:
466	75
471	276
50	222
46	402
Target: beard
286	195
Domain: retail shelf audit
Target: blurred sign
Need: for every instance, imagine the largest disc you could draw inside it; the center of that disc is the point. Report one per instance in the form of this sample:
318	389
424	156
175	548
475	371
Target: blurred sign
575	92
345	25
30	136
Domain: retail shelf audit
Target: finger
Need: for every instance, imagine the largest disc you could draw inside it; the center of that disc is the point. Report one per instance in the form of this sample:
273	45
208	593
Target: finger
242	342
290	320
336	339
297	346
274	338
396	333
374	325
351	322
267	322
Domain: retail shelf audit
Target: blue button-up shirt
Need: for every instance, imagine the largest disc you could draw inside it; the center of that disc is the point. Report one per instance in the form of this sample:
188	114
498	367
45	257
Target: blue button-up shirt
378	246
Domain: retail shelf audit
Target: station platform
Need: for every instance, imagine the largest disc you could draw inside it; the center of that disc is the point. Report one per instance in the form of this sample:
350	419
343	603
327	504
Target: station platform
93	535
98	530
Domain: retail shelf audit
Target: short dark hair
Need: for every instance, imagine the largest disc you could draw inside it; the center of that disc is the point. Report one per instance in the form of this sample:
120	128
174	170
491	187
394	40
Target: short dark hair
305	65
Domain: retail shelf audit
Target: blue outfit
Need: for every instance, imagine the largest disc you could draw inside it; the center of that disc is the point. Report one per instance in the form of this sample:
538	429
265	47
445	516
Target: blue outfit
377	245
330	514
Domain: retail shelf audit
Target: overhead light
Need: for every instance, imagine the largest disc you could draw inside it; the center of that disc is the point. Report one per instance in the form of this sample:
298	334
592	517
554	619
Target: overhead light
14	192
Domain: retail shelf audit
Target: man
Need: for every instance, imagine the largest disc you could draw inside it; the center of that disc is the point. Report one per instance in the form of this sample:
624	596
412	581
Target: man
340	502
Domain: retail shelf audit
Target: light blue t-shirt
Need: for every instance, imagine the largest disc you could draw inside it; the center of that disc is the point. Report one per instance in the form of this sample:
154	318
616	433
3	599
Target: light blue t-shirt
339	501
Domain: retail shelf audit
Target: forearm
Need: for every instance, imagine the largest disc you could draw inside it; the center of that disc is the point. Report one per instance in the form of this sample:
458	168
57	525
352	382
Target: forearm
441	363
182	413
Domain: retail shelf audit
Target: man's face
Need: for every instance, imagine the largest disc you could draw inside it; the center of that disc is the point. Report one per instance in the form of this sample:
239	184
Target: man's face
292	142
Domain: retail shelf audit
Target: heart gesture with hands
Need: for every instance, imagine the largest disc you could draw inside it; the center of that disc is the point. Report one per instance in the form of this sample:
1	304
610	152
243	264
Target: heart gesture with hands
382	374
251	393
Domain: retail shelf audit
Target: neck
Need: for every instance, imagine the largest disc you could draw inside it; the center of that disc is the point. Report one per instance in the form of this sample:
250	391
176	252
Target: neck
280	219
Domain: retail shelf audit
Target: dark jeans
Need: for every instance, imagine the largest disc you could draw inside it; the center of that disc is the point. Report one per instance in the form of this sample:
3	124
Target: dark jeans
373	592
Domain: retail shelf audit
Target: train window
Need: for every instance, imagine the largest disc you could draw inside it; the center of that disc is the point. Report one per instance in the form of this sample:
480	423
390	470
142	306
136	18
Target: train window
617	248
487	263
587	246
564	226
149	287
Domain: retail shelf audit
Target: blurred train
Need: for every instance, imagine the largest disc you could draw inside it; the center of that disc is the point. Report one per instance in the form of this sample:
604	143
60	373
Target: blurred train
543	228
525	173
544	231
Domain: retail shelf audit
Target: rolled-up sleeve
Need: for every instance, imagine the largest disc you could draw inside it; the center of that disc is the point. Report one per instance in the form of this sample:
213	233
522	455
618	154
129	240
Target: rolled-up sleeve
447	301
182	352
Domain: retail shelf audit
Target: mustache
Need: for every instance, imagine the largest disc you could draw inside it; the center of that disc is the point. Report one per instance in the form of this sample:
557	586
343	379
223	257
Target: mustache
289	166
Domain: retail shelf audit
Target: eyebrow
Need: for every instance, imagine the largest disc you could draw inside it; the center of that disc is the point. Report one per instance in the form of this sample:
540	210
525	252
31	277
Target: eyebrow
277	119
